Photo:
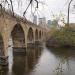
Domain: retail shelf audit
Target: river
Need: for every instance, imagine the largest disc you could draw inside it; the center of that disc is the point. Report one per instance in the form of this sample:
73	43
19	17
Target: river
41	61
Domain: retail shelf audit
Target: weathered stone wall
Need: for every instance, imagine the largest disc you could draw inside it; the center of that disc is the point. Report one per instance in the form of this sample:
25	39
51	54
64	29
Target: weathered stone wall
7	24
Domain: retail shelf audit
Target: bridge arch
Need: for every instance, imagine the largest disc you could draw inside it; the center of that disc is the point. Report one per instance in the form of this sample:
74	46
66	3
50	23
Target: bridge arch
18	36
36	35
30	36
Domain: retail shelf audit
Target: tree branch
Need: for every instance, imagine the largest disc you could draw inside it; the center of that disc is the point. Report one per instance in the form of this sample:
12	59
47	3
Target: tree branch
29	5
12	7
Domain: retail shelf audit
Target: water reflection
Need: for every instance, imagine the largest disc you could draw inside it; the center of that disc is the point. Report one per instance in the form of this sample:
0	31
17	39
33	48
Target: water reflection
66	58
60	61
41	61
22	63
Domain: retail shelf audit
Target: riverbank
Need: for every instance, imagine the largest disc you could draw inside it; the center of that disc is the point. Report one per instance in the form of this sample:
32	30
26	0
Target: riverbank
63	37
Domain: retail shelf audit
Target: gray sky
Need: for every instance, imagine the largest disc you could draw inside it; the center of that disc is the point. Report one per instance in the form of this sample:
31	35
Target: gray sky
49	8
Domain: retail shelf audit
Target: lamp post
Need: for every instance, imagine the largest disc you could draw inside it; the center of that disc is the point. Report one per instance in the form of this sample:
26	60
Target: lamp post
68	12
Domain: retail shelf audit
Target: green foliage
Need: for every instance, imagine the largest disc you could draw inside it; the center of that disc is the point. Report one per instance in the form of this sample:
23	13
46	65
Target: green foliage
64	36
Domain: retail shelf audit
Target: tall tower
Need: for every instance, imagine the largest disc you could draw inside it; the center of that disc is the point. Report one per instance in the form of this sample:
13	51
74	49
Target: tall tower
35	19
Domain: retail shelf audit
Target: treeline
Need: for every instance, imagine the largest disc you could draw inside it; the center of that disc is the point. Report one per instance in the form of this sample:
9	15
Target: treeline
61	37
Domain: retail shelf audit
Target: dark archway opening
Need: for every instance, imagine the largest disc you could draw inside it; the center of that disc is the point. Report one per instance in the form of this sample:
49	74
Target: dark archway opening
36	35
39	34
42	33
18	38
30	36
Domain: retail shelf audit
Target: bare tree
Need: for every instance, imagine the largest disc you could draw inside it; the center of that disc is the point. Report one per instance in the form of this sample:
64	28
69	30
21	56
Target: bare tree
29	5
68	12
10	2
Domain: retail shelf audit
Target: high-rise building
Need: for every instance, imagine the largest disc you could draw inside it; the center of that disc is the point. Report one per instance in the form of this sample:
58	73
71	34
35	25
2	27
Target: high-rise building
49	22
35	19
42	21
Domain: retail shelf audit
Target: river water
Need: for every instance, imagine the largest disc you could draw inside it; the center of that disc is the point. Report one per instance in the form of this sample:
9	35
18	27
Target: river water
41	61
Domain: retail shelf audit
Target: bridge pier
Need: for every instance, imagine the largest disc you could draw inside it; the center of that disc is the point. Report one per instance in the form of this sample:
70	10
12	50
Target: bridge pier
4	57
30	44
3	60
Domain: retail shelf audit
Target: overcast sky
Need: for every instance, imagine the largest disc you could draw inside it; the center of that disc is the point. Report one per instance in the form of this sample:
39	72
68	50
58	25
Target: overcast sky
46	9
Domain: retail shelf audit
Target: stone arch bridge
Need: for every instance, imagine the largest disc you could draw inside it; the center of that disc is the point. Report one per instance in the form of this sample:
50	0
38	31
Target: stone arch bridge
20	30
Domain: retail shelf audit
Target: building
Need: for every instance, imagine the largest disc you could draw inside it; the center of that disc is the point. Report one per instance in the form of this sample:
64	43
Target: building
49	22
42	21
35	19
